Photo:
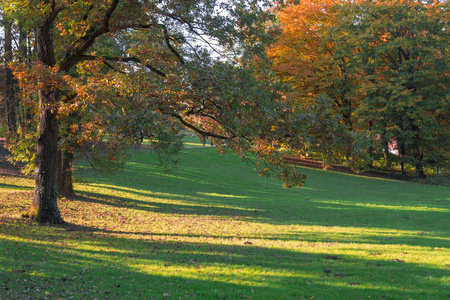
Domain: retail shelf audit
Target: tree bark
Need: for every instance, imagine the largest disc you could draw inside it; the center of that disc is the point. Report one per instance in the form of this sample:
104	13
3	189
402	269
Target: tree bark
59	176
419	165
65	184
23	50
24	116
44	208
10	82
401	154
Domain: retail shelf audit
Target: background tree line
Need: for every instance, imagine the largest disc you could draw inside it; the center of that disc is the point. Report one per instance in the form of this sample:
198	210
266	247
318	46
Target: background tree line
385	65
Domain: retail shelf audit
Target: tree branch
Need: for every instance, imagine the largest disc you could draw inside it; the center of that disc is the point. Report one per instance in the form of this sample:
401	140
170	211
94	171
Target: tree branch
171	48
87	40
202	132
119	59
113	68
136	60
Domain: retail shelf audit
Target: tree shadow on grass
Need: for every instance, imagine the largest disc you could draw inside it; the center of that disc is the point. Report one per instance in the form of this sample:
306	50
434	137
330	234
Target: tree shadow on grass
86	261
414	234
162	207
341	239
329	199
99	266
14	187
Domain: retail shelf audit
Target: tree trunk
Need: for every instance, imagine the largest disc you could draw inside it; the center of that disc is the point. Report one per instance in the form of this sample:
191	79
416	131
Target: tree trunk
59	176
10	82
23	50
401	153
386	151
65	186
419	165
44	208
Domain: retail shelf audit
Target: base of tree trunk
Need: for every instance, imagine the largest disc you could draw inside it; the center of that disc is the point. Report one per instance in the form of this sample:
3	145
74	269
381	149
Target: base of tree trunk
44	208
70	194
43	217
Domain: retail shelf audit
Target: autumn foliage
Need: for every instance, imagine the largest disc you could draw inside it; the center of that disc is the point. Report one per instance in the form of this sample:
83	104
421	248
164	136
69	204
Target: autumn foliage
385	65
107	74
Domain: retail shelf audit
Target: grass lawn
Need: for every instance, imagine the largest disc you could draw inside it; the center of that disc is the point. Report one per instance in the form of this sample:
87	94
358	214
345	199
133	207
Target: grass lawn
213	229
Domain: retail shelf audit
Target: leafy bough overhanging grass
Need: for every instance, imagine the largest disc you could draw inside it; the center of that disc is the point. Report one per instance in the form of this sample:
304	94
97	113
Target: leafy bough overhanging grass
212	229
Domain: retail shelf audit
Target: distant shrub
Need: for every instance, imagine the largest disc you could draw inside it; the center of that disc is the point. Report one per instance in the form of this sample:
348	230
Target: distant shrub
442	179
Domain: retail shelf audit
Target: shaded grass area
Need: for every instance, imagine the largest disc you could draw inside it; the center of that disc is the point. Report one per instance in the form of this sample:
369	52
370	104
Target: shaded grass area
213	229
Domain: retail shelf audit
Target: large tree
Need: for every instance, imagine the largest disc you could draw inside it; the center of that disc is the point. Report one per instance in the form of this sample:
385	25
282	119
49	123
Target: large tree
385	64
182	60
399	50
307	59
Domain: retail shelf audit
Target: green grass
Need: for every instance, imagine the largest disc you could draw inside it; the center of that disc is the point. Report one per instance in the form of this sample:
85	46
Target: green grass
213	229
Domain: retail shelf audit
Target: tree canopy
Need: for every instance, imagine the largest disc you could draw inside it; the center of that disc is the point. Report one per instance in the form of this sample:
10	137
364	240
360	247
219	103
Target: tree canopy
385	64
127	69
101	75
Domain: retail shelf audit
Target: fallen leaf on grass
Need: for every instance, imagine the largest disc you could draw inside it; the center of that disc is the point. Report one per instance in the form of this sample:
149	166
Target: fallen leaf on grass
398	260
19	271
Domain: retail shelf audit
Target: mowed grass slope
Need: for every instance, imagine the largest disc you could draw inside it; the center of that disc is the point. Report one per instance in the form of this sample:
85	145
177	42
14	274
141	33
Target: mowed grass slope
213	229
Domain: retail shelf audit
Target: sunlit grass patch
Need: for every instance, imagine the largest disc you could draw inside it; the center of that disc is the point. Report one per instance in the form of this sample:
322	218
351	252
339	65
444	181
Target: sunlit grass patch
212	229
394	207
